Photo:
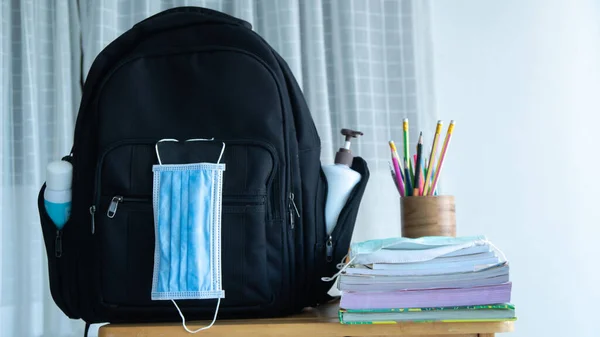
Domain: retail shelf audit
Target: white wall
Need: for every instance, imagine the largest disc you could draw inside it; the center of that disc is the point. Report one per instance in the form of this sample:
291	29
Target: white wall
522	80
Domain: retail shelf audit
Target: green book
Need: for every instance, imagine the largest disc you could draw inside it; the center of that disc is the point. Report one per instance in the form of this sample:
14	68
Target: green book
472	313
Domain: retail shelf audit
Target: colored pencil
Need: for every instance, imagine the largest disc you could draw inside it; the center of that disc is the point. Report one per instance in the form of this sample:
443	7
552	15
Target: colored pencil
422	174
433	173
417	182
406	148
394	178
422	180
438	130
397	169
438	169
408	185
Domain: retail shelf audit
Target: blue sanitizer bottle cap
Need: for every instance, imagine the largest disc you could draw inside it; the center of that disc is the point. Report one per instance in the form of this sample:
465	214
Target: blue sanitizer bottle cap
344	155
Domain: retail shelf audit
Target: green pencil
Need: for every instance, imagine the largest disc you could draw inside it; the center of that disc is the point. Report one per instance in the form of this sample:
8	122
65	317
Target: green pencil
406	150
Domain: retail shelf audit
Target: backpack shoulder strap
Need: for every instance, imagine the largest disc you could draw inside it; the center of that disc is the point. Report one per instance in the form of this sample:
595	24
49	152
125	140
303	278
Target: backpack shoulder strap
306	132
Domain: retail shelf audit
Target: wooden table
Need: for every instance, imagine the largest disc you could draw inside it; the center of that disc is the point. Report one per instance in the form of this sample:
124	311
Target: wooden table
316	322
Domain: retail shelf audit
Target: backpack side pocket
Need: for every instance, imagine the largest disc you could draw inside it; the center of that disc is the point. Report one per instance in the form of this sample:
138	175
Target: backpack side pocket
58	259
330	251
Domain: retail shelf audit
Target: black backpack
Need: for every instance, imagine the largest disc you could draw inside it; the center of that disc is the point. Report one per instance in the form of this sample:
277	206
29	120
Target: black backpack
195	73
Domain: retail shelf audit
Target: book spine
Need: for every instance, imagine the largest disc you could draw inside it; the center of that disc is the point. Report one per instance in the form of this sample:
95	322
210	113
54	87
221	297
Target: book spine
431	321
470	307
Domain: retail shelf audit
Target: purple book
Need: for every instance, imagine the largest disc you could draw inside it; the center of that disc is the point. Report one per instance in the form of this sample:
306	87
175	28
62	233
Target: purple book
448	297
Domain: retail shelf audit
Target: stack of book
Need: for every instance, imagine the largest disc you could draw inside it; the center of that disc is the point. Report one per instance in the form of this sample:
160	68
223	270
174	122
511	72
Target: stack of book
469	284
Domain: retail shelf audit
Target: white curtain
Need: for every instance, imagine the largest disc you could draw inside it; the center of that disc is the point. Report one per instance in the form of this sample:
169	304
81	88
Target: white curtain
362	64
39	93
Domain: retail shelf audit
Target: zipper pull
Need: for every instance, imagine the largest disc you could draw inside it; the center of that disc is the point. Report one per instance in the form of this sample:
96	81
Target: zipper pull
292	203
329	249
58	244
92	213
112	209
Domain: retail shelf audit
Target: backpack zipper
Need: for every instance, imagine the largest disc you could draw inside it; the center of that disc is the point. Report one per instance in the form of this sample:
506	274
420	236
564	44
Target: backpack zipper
292	208
329	249
93	213
112	208
58	244
117	199
243	200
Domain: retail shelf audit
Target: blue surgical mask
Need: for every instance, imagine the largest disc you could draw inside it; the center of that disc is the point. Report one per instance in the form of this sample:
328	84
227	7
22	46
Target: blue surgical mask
187	217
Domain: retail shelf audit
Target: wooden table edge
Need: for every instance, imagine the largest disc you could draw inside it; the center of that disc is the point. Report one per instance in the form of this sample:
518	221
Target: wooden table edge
305	328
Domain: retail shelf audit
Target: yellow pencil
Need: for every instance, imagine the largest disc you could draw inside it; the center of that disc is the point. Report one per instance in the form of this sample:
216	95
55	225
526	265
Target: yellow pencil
442	155
438	131
394	149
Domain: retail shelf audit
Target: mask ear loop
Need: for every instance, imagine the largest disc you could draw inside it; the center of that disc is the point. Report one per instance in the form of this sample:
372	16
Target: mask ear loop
188	140
156	147
209	140
342	267
203	328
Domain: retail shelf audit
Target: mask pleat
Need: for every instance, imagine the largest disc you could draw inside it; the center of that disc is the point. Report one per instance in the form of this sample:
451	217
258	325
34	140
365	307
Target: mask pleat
164	229
175	230
184	228
204	248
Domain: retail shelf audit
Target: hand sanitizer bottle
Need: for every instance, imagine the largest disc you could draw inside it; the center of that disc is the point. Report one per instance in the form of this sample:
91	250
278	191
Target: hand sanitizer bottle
57	196
341	179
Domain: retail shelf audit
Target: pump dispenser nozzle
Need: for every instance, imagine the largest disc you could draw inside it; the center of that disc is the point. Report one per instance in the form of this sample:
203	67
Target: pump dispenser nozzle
341	179
344	155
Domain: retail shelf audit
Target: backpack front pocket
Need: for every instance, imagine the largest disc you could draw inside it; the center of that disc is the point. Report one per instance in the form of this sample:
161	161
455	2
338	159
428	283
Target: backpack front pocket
125	232
126	225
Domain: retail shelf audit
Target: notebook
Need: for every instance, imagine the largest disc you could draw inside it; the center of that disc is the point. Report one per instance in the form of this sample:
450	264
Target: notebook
477	313
379	285
446	263
404	252
421	270
358	282
427	297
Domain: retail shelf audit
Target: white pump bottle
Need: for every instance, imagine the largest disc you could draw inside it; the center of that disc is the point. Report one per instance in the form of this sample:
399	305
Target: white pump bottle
341	179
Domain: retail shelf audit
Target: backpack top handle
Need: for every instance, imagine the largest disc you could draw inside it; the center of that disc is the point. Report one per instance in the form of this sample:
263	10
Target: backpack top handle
190	15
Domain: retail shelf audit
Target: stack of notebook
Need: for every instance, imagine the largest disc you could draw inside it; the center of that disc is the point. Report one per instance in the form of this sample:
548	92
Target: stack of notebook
425	279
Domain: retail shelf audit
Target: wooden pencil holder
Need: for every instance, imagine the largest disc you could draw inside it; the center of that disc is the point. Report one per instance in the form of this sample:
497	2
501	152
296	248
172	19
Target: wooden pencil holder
428	216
